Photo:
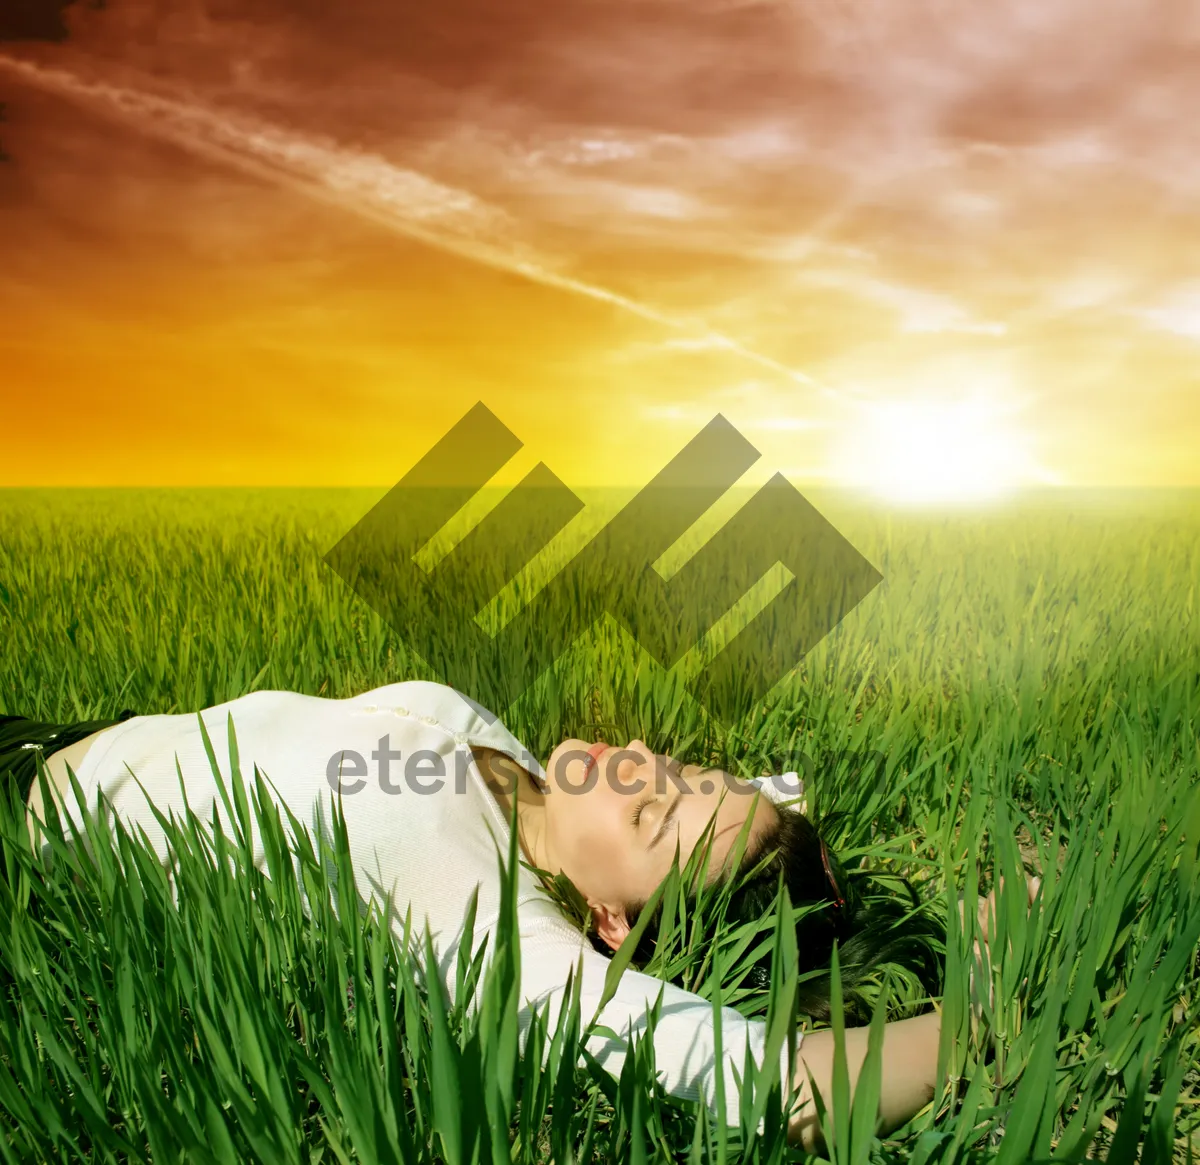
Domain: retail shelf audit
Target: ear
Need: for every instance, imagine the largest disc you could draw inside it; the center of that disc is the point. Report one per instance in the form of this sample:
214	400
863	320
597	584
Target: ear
611	924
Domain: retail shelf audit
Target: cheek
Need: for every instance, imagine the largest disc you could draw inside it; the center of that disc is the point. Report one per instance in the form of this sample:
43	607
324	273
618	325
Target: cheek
606	842
581	828
596	842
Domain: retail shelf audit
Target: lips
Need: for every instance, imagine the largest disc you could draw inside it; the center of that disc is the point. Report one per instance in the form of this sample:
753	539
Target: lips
593	756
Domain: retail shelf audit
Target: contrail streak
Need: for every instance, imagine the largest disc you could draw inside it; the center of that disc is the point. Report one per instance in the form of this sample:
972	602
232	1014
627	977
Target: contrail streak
402	200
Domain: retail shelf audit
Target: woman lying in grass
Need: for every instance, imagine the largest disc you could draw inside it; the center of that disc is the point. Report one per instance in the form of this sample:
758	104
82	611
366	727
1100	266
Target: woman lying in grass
428	781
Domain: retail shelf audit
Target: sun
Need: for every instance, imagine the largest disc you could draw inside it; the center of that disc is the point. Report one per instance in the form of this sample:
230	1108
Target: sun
917	452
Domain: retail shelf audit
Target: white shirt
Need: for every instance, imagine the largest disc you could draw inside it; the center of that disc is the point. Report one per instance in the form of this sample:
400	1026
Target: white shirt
430	849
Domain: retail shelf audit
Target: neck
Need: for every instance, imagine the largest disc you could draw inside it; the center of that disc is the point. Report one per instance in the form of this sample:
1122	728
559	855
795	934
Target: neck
506	779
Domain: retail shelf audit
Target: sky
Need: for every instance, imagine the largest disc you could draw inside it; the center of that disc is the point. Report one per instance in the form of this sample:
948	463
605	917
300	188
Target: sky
933	251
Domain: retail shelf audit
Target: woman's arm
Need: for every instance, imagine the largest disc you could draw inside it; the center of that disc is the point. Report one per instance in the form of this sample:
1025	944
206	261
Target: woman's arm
909	1073
910	1053
684	1038
685	1045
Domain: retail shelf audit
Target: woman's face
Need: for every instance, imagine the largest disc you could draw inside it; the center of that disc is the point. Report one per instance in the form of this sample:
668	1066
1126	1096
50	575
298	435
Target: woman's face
613	817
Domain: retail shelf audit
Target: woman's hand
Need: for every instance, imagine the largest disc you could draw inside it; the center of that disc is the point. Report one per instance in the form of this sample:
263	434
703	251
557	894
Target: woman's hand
986	911
985	915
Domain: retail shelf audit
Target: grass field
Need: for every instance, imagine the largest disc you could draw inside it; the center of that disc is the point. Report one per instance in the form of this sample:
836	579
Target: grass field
1031	677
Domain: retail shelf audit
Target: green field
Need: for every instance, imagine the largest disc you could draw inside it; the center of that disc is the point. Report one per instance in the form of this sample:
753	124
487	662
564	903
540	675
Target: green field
1031	675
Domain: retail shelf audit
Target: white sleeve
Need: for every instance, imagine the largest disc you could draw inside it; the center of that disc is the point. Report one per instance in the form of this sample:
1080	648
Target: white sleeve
684	1045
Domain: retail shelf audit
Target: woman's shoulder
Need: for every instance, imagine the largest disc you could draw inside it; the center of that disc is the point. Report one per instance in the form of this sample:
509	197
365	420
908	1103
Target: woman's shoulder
421	699
425	701
426	697
437	703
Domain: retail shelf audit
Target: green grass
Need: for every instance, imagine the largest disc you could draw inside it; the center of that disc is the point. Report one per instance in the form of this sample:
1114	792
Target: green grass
1031	677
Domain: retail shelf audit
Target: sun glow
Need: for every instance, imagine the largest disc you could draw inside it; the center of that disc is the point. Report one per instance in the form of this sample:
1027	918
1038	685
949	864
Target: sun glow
919	452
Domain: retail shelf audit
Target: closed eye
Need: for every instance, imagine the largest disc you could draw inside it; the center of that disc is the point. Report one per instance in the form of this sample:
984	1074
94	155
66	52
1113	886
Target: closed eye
637	809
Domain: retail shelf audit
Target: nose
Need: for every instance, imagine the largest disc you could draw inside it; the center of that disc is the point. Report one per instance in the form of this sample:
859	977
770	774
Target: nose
629	760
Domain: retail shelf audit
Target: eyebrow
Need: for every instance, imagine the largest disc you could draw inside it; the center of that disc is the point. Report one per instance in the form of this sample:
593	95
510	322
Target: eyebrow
665	824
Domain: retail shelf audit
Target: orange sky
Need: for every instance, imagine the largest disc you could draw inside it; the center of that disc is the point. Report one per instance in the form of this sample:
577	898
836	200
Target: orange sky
903	247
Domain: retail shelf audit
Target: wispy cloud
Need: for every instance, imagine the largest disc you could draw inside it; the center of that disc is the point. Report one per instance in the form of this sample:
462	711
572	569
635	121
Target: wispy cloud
365	184
829	193
1178	312
917	310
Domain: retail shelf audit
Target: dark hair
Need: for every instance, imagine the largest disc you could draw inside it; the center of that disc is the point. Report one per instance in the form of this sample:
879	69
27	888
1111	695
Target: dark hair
871	924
